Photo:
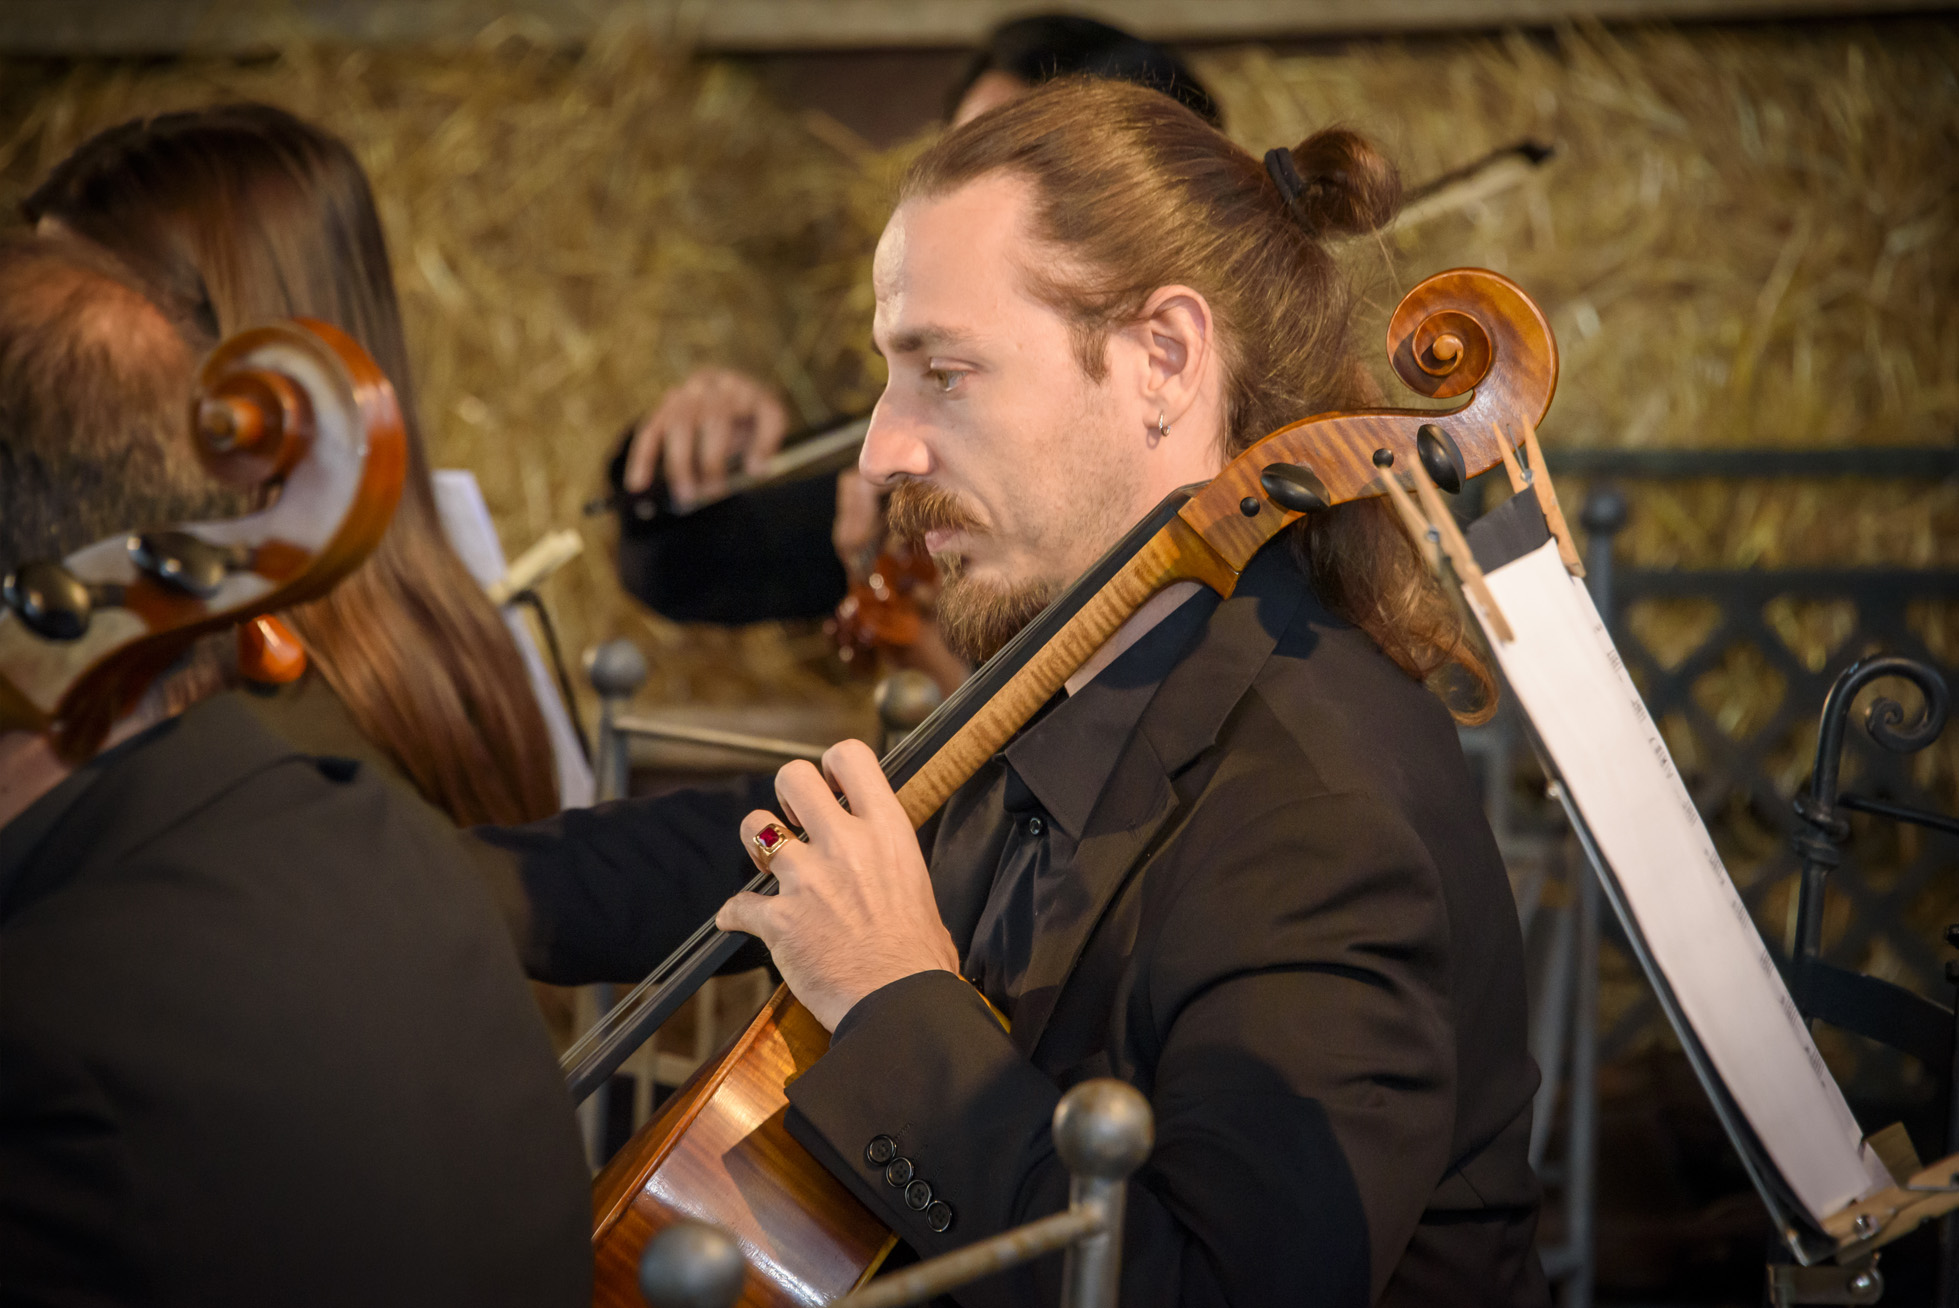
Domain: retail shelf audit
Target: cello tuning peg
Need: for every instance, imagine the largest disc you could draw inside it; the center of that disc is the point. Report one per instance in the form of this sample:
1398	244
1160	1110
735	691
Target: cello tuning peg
1293	487
1441	457
51	601
183	562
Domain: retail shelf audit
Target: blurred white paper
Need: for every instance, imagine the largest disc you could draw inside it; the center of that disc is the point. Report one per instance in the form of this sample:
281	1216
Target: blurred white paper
466	521
1617	772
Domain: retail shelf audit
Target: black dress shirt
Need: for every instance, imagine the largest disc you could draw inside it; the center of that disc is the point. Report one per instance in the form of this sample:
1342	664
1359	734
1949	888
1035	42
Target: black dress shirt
1049	777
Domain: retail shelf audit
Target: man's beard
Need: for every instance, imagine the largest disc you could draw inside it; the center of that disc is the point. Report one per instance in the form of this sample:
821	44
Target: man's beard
975	617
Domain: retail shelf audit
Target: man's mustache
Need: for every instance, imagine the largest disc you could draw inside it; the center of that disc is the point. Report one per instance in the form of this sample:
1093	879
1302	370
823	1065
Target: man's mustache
917	507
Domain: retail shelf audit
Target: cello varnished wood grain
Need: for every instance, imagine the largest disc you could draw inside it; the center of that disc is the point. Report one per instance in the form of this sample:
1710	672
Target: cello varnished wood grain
719	1151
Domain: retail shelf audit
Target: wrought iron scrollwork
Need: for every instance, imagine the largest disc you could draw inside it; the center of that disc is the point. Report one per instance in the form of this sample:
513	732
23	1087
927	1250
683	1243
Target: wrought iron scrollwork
1882	720
1859	1003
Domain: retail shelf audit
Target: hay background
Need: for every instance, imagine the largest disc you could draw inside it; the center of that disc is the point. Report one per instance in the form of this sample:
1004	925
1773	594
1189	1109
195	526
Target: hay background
1745	240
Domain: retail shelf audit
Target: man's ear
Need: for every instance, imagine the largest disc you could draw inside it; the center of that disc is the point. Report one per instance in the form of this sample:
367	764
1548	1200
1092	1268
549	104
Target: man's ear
1174	337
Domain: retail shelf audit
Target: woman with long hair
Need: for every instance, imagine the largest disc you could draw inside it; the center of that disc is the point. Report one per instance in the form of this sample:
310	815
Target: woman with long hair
237	215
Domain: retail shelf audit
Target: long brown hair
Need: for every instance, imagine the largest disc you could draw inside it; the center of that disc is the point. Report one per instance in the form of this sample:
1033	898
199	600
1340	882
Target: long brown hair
1133	192
239	214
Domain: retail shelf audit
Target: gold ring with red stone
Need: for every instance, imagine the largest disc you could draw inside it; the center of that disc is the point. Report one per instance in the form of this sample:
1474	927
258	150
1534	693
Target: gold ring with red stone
769	841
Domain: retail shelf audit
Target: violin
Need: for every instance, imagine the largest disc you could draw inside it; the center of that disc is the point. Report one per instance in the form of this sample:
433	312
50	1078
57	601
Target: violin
886	612
295	410
719	1150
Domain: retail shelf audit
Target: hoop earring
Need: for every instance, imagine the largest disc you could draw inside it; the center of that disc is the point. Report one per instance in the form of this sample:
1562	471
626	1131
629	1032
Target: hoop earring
1162	427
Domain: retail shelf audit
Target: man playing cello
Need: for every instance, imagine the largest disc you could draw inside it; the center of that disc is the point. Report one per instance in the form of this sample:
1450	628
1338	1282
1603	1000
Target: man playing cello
1239	862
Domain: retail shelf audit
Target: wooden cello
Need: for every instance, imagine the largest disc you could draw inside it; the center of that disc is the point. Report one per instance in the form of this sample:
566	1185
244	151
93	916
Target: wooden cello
295	409
719	1150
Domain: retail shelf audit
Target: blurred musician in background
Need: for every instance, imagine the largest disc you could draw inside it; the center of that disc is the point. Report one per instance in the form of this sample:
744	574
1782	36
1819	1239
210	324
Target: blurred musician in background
793	551
233	216
263	1038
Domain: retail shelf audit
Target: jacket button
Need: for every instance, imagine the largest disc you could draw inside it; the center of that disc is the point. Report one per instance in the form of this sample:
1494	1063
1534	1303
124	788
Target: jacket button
939	1216
918	1196
881	1150
899	1172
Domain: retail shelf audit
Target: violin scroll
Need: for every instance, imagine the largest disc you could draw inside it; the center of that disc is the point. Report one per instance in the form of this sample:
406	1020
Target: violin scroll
296	408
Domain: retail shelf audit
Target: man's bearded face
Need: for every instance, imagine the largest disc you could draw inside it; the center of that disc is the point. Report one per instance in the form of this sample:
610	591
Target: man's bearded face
1012	467
976	615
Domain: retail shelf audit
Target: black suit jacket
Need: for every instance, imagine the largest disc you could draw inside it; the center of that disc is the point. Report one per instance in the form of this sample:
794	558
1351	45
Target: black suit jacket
1288	924
264	1040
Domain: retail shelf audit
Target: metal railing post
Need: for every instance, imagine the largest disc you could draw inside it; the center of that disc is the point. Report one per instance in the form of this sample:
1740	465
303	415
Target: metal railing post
1103	1131
904	698
1603	517
617	670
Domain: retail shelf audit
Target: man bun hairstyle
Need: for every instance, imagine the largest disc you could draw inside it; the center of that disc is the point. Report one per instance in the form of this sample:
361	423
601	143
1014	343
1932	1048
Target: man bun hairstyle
1132	192
1345	186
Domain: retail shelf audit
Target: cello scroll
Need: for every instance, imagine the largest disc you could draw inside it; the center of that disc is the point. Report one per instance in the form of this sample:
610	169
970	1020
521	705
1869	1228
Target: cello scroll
296	410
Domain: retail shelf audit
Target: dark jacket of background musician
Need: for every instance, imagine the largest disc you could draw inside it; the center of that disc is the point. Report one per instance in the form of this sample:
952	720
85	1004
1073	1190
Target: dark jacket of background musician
263	1039
1284	918
762	556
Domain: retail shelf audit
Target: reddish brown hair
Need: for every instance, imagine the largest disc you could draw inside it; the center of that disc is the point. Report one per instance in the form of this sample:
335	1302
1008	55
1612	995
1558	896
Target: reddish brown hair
1134	192
240	214
91	406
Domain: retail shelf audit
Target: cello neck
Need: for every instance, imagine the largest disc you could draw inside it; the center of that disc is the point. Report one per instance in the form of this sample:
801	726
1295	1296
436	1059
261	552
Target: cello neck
996	701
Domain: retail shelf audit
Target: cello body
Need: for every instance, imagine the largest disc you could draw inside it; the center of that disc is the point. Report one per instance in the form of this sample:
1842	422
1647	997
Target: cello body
719	1151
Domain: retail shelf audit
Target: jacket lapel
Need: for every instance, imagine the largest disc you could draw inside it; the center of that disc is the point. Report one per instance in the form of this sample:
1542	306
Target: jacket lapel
1183	719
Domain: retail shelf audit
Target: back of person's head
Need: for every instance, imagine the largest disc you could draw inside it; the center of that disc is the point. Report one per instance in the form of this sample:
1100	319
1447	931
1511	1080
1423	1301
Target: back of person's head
94	407
1132	192
1040	48
236	215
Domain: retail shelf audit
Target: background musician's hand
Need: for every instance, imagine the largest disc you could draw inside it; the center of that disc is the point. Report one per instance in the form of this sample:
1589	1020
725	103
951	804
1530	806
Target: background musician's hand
855	911
858	532
699	426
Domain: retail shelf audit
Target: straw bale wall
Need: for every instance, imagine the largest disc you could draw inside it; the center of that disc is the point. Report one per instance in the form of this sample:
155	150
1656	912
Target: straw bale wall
1745	239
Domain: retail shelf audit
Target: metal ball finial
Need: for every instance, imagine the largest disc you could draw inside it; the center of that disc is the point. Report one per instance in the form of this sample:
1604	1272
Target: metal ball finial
905	698
1605	510
617	669
1104	1129
691	1265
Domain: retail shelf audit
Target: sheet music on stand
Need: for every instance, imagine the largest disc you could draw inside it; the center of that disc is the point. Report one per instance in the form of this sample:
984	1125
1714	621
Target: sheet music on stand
1658	865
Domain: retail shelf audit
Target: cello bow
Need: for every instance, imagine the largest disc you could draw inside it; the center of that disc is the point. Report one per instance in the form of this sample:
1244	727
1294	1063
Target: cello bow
718	1150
